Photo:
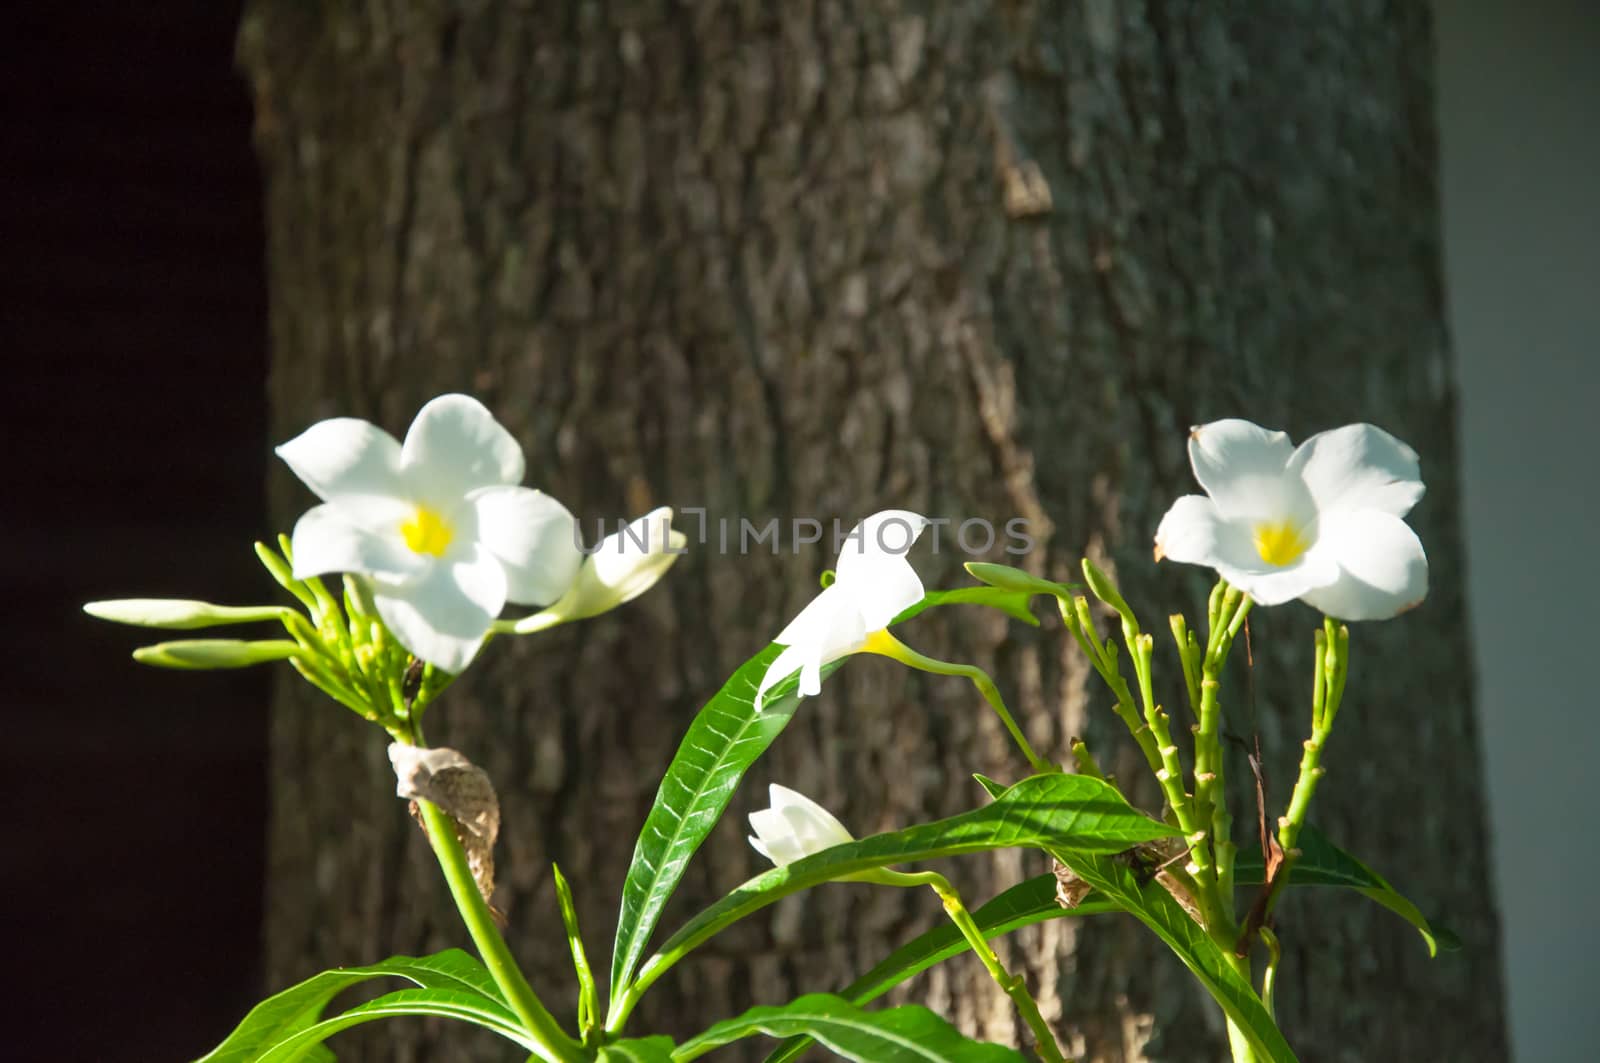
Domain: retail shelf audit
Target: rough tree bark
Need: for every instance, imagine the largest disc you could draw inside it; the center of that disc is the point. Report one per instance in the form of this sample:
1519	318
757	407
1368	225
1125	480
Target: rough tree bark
979	258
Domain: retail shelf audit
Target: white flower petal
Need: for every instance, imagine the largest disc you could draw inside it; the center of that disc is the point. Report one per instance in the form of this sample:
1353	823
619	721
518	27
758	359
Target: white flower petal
346	457
873	567
1195	533
455	446
887	534
619	555
534	538
782	667
624	565
1383	570
443	616
1274	586
1243	467
883	591
831	624
794	827
778	842
326	540
1359	466
811	819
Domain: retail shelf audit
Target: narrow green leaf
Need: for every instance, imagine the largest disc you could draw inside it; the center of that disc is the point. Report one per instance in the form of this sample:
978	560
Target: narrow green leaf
725	738
1322	863
656	1049
440	1003
721	744
1013	603
1065	812
990	787
298	1008
1153	906
1024	904
588	995
910	1034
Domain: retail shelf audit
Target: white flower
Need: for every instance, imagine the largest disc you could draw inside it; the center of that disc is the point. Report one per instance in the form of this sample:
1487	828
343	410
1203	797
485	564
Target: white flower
1321	522
437	524
794	827
627	563
873	584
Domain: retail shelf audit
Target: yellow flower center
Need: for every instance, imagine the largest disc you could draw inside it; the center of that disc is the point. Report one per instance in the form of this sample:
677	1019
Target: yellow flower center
427	533
1279	543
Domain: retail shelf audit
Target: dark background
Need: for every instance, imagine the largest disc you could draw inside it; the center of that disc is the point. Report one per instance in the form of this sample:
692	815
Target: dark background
133	329
133	442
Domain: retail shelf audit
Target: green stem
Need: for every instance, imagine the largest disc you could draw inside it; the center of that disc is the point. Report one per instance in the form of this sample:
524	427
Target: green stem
1269	977
1012	984
1332	666
1075	614
1238	1043
1087	765
887	645
1152	732
1230	608
554	1044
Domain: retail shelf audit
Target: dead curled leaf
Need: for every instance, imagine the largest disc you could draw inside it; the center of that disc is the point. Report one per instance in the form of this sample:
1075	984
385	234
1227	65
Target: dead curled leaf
462	791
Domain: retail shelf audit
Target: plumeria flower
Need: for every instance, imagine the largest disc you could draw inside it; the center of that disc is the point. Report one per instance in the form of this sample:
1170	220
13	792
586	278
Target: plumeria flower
438	524
794	827
873	584
623	566
1321	522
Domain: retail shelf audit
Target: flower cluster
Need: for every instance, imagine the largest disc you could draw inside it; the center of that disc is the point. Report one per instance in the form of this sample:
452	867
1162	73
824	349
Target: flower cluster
445	534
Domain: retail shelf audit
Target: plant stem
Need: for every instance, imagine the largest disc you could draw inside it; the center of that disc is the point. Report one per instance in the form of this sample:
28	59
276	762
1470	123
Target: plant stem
1153	734
554	1045
1238	1043
887	645
1228	615
1269	977
1333	665
1012	984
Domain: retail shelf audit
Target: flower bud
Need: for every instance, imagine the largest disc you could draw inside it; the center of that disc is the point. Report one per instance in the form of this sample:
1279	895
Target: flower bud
794	827
625	565
179	613
198	655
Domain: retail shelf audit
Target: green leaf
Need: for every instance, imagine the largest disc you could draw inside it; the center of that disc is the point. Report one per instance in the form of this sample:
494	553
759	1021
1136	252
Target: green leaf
1153	906
1322	863
990	787
285	1017
1013	603
1022	905
588	995
725	738
908	1034
1067	812
439	1003
723	741
656	1049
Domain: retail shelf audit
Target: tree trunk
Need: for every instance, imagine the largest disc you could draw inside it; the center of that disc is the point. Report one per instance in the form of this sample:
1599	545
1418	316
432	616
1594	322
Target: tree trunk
977	258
